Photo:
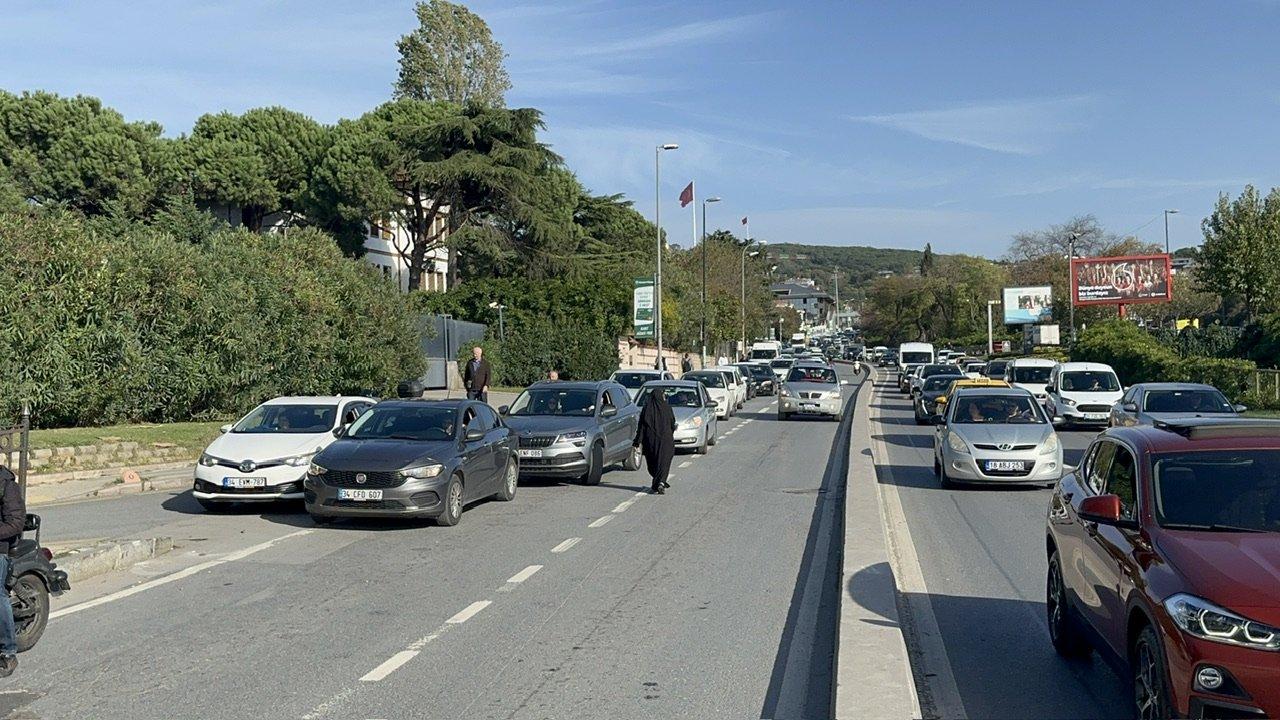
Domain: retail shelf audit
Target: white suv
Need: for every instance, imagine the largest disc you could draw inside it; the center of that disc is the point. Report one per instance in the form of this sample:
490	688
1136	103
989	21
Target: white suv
264	456
1082	393
1030	374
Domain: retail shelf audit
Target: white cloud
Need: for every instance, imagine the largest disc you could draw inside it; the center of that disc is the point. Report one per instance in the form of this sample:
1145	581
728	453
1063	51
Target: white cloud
729	28
1020	127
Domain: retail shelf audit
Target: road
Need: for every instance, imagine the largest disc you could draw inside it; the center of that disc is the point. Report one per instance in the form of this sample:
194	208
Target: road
714	601
985	651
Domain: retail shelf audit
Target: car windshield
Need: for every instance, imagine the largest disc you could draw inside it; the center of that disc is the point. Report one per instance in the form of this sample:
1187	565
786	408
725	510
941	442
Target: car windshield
1089	381
780	363
939	382
711	380
756	371
1035	375
292	419
1186	401
676	396
1218	490
554	401
764	354
996	410
633	380
974	367
812	375
916	358
405	423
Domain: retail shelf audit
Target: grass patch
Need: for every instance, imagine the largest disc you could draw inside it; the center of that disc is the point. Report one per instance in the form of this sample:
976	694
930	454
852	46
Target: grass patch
1262	413
191	435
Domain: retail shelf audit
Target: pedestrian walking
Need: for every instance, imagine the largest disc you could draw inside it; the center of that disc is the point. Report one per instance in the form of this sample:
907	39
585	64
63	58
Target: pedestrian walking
13	518
686	365
477	375
656	439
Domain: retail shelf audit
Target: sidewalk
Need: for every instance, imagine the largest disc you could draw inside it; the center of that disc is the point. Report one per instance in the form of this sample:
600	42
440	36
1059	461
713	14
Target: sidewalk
496	399
111	483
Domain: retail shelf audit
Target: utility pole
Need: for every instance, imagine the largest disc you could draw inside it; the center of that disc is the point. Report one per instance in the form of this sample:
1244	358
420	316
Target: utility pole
704	268
657	221
835	321
991	348
1071	299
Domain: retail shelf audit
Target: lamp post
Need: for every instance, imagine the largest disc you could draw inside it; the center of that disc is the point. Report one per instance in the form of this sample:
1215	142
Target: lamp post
991	348
502	328
1167	213
657	221
1071	299
704	277
745	255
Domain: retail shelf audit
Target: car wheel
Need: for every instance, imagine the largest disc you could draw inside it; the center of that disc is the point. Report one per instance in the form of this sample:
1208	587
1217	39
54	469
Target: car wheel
1063	631
702	449
944	479
30	610
632	462
1150	678
596	468
452	503
211	506
510	481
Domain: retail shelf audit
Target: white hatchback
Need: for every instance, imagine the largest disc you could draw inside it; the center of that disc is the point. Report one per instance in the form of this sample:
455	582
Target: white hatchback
264	456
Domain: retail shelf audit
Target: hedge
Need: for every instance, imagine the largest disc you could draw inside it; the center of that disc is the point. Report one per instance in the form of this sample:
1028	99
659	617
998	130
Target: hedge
1138	357
110	323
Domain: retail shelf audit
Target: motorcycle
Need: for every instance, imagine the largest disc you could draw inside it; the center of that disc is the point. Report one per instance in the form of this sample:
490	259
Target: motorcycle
33	577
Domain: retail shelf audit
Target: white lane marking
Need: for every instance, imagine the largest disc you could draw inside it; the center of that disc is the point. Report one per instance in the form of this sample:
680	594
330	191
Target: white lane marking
622	506
566	545
392	664
642	493
601	521
468	612
749	421
174	577
686	463
524	574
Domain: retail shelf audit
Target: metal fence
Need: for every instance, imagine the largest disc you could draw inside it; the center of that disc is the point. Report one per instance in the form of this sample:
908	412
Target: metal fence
16	440
1267	383
440	344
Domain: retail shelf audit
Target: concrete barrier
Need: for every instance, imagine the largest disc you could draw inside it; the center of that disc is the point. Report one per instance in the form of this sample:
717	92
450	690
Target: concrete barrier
106	557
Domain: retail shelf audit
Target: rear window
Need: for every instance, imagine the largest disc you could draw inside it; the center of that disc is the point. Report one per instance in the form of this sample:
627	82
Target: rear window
916	358
1032	375
931	370
712	380
780	364
939	382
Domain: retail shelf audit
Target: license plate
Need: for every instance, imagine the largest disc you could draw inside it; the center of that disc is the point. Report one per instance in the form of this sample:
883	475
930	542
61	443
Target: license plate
809	406
1005	465
359	494
244	482
1095	416
530	453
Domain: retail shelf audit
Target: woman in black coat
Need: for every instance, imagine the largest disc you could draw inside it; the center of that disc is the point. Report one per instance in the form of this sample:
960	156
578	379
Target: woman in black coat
656	438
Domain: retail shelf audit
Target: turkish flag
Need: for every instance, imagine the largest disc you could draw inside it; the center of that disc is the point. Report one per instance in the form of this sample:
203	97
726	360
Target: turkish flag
686	195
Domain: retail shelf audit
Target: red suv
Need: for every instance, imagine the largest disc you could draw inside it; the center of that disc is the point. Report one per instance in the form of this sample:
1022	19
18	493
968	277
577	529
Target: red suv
1164	555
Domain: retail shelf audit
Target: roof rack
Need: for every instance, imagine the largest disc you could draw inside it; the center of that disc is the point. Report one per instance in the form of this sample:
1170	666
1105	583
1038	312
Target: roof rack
1207	428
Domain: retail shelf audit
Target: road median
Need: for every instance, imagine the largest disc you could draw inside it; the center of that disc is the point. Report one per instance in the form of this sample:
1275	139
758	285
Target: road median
108	556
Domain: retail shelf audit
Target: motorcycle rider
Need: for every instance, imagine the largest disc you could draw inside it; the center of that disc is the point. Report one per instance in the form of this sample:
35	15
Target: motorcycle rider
13	518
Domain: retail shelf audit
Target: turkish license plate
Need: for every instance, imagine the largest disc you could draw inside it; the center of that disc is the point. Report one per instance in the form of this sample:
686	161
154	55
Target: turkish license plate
359	494
530	453
1095	416
1006	466
808	406
244	482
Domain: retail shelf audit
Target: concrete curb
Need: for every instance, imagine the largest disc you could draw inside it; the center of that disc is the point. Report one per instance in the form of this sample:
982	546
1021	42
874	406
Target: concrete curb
106	557
873	668
118	471
110	489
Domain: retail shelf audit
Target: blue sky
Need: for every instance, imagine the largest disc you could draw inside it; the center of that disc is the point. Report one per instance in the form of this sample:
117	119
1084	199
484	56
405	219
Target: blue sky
884	123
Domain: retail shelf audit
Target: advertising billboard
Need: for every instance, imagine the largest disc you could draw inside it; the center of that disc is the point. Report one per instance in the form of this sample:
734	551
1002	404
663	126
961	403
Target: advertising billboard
1028	305
1121	280
642	308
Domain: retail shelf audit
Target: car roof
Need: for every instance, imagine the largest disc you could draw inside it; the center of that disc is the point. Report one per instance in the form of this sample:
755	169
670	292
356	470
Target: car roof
641	371
1172	386
1195	434
1003	391
1035	362
979	383
453	403
691	384
1083	366
313	399
573	384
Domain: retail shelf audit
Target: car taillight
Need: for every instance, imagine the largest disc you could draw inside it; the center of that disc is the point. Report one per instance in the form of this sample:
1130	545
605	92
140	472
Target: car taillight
47	553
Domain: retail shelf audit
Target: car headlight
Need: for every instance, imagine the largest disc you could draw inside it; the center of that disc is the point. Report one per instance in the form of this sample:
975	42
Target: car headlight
423	471
956	444
1050	445
1207	621
208	460
299	460
1068	402
571	436
315	469
695	421
784	392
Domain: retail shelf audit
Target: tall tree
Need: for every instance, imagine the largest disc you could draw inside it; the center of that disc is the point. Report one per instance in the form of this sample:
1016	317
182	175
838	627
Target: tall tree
926	260
1241	252
451	56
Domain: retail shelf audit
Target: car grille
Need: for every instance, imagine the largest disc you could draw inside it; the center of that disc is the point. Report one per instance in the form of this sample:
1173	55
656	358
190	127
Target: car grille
1015	448
208	487
347	479
811	396
536	441
1094	408
366	504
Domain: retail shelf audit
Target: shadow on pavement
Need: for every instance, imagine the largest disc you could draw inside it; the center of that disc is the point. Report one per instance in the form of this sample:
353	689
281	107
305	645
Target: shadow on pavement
915	442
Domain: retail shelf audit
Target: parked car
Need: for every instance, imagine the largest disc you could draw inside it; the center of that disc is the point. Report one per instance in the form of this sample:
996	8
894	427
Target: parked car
694	410
995	435
781	367
766	381
414	458
1149	403
1030	374
926	403
633	380
995	369
263	457
574	429
975	369
736	384
1082	393
717	388
1162	551
811	389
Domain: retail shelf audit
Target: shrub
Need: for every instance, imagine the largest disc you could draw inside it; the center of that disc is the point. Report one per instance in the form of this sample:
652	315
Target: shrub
103	326
1131	352
1233	377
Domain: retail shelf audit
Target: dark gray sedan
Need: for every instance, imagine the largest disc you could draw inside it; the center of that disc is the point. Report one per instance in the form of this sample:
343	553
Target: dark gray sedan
1148	403
574	429
414	458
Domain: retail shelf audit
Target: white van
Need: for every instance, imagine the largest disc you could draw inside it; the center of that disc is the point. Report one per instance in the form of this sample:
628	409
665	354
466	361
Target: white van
1030	374
913	354
766	350
1082	393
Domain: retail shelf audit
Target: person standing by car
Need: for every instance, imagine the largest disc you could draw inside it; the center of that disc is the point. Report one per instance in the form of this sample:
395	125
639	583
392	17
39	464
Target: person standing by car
13	518
655	437
686	365
477	375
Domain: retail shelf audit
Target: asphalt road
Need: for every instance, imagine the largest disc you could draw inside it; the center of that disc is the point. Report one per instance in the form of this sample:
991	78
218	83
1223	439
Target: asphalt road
570	602
980	553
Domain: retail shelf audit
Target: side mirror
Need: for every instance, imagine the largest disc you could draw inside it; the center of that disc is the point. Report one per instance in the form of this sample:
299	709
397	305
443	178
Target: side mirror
474	434
713	404
608	411
340	431
1048	388
1104	510
225	429
1129	407
1239	408
504	409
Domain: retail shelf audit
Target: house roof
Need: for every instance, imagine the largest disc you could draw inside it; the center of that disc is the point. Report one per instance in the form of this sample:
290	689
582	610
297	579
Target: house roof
795	291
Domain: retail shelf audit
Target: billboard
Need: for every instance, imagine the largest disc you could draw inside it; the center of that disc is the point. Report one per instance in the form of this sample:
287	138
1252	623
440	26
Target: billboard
1121	280
642	308
1028	305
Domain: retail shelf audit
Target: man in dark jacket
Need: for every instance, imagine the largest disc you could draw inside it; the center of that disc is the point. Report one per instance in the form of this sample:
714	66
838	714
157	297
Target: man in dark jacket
686	365
13	518
476	376
656	438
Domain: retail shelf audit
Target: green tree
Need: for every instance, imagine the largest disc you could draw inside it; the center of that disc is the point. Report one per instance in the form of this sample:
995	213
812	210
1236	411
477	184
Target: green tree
1241	252
927	260
451	56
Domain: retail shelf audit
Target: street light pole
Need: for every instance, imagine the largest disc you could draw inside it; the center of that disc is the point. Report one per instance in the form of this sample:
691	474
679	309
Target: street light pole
835	320
1167	213
743	306
657	221
502	328
704	274
1071	299
991	347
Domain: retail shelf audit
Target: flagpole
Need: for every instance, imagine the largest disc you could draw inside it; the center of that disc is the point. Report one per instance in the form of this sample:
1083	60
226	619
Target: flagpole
743	300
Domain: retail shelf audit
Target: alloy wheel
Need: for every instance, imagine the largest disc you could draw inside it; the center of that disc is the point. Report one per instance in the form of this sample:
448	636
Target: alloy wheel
512	477
1144	683
455	500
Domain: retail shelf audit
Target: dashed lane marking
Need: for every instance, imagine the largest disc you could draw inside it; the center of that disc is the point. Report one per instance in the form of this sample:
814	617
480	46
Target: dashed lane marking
469	612
622	506
601	522
562	547
524	574
392	664
686	463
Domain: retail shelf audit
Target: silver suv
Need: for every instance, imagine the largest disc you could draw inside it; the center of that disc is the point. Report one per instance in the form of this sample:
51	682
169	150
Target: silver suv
574	429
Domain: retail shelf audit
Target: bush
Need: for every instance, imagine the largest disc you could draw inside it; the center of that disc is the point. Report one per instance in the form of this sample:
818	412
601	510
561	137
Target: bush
101	327
1138	357
1233	377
